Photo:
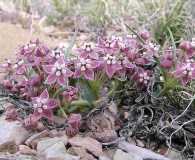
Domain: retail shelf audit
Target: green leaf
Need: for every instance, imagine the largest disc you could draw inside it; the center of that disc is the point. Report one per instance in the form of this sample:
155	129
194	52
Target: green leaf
88	95
122	79
72	42
134	32
173	43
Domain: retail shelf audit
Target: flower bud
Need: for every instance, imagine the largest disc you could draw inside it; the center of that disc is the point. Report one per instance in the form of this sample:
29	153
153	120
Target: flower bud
144	34
185	46
71	132
166	64
31	122
71	94
10	114
35	81
75	120
7	84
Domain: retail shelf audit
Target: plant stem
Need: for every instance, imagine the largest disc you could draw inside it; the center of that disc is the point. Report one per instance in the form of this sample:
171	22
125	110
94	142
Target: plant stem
109	94
186	88
59	92
80	103
162	92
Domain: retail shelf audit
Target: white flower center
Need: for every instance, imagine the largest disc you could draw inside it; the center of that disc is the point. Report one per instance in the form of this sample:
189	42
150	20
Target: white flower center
58	73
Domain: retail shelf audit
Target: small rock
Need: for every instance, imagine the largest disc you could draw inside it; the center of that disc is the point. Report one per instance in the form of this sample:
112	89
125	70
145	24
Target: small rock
12	133
173	155
36	136
104	158
34	143
30	152
56	149
17	157
55	133
143	152
122	155
64	139
22	147
63	157
80	151
40	126
88	143
42	145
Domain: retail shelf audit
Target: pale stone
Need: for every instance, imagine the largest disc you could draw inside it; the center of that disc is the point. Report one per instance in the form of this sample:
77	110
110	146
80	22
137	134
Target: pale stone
88	143
42	145
36	136
12	133
80	151
122	155
104	158
63	157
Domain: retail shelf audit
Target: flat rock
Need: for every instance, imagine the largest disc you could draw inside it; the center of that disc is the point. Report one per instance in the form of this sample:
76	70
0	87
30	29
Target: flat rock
92	145
12	133
63	157
143	152
42	145
18	157
36	136
123	156
80	151
104	158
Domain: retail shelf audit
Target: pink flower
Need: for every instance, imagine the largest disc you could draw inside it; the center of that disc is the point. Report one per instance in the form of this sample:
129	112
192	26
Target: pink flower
166	60
71	94
188	47
88	50
185	71
109	47
71	132
152	49
110	64
142	78
144	33
85	67
10	114
7	65
75	120
31	122
57	72
55	55
125	63
43	105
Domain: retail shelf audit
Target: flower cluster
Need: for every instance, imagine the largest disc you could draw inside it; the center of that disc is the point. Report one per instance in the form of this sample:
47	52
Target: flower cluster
44	72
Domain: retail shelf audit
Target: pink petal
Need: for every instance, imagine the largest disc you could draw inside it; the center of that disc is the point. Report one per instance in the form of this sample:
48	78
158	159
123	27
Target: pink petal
47	68
37	61
117	66
60	61
140	70
51	103
78	73
21	70
68	72
193	75
140	86
129	65
34	100
110	70
100	41
50	79
93	55
89	74
190	53
135	77
149	73
62	80
180	65
83	55
122	71
48	113
44	94
36	113
79	50
177	73
95	64
101	67
126	49
185	79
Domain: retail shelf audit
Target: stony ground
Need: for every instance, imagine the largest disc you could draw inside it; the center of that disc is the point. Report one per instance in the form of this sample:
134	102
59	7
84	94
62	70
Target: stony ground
11	36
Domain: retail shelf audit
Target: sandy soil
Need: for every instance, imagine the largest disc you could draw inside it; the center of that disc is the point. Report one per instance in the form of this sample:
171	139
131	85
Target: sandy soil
11	36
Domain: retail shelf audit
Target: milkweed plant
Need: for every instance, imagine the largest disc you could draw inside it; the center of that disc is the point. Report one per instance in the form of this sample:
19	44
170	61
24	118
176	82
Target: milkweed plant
57	82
